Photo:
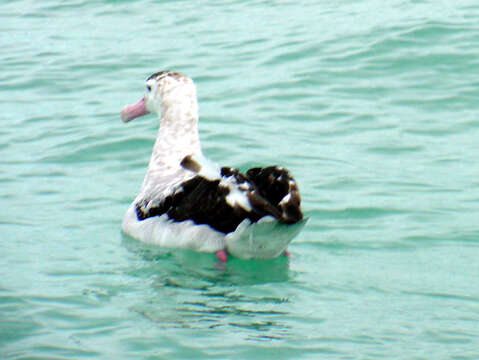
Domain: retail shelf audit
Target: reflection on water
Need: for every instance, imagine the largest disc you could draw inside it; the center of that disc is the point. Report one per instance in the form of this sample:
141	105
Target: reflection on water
194	291
187	266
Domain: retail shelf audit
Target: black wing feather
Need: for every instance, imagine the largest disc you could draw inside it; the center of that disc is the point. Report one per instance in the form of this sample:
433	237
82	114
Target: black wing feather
204	201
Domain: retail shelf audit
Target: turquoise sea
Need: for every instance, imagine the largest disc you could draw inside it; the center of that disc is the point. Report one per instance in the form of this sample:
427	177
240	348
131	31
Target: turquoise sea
372	105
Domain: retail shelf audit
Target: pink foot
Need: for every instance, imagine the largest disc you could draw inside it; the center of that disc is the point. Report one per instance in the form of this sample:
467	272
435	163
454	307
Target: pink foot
286	253
221	255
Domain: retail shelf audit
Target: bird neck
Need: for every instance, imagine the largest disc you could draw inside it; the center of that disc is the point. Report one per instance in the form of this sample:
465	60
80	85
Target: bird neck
177	136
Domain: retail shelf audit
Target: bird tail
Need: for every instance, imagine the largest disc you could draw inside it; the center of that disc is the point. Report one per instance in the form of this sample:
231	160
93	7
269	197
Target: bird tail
264	239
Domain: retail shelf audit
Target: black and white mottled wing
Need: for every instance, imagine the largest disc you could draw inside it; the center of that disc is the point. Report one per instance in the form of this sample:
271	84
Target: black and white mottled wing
224	199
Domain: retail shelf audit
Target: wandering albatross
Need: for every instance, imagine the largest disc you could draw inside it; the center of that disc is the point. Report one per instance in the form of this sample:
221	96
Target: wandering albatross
188	202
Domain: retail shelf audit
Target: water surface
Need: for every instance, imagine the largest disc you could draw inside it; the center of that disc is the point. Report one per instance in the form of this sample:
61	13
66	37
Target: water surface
372	105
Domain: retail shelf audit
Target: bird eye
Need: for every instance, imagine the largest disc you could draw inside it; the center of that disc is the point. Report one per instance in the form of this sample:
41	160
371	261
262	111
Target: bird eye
148	88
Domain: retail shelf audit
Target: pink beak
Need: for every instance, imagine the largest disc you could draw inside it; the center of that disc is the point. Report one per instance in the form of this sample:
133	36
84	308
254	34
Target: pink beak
129	112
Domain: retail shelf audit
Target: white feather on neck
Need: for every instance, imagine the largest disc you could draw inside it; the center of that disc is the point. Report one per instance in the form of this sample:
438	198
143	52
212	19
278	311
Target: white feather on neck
177	137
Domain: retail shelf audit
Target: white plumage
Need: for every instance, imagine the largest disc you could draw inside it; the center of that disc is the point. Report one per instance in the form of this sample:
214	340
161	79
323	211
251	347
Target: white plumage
185	201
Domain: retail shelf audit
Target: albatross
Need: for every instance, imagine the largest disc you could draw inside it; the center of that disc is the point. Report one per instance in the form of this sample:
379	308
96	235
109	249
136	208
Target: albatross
189	202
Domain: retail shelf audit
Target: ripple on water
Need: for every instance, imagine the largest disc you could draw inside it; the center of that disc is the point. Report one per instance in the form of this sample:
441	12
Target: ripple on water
371	105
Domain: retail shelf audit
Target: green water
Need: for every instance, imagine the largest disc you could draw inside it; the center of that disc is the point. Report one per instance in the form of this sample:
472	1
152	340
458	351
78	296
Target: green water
372	105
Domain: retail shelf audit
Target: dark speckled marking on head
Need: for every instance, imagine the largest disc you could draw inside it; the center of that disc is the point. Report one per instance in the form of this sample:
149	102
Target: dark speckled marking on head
161	74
